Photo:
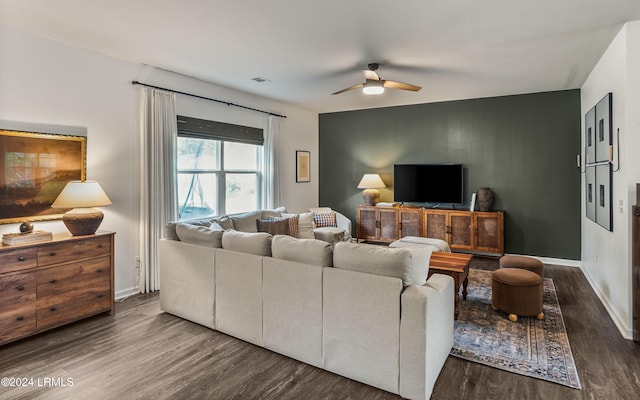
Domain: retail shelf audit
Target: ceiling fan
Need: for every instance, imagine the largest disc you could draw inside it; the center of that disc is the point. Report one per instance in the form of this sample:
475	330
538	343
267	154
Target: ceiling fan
374	85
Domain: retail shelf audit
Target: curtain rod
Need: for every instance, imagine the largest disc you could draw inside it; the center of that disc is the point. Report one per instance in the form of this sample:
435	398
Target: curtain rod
208	98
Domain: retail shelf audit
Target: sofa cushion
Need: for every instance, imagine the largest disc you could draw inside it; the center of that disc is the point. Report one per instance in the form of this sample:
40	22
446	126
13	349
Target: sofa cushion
246	222
395	262
308	251
274	226
323	220
170	228
200	235
276	212
258	243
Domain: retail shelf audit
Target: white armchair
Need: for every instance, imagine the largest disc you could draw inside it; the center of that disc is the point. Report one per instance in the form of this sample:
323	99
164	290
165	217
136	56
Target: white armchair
332	234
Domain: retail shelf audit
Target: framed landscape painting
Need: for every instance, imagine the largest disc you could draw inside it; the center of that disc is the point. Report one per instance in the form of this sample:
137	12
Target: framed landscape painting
34	168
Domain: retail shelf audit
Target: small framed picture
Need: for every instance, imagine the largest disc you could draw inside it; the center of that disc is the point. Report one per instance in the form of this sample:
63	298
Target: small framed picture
302	166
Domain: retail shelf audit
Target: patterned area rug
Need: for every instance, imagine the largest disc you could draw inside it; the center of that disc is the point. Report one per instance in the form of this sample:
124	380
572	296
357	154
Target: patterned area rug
539	349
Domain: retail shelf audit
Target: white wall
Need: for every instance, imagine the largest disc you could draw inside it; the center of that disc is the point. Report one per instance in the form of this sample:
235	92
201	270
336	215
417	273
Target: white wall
606	256
46	82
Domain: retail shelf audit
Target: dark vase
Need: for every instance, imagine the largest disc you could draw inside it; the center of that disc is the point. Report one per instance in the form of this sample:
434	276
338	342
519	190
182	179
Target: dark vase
485	199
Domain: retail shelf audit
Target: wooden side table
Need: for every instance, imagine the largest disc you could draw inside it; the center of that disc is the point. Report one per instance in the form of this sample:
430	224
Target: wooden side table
456	265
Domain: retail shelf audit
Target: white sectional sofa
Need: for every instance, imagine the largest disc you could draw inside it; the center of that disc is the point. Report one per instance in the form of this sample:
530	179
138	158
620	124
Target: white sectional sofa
361	311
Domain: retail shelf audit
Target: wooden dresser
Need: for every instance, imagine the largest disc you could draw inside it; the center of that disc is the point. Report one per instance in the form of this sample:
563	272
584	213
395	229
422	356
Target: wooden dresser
48	284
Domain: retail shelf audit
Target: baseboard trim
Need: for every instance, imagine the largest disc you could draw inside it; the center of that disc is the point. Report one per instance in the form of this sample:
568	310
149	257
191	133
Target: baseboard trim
554	261
124	293
625	331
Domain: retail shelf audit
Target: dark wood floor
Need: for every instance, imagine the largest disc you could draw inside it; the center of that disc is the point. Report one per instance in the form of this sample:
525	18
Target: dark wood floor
142	353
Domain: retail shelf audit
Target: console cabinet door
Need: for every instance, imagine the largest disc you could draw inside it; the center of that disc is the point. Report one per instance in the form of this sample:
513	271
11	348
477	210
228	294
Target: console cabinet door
367	223
460	230
388	225
377	224
410	223
435	224
489	228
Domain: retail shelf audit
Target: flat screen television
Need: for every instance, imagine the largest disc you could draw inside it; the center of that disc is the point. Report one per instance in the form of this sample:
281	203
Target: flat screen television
428	183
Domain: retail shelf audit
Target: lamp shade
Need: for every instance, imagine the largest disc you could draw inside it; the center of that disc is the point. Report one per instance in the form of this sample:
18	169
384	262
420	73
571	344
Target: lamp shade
371	181
81	194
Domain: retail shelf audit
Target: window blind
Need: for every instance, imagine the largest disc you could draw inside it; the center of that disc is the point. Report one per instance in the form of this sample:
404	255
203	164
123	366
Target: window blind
205	129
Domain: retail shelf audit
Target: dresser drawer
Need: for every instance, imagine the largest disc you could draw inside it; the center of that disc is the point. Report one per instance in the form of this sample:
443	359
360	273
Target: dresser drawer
66	307
76	278
18	259
16	290
73	250
17	322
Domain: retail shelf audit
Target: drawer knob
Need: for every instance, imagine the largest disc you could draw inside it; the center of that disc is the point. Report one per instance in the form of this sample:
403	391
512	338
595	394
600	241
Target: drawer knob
52	309
20	288
100	270
100	246
100	295
20	318
21	258
52	253
53	281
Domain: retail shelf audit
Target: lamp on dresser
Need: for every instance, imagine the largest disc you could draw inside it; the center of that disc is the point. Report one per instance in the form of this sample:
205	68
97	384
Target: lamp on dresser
82	196
370	183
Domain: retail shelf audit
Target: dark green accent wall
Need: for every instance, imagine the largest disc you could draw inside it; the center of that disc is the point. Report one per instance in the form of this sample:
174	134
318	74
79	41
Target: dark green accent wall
523	147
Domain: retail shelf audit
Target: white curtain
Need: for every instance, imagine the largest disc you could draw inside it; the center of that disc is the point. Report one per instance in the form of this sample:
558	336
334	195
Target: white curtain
158	198
272	167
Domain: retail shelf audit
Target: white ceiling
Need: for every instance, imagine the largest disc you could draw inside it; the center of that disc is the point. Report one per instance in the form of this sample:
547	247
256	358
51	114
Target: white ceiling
454	49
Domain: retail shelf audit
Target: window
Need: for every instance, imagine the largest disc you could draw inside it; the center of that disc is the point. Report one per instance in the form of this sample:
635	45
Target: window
217	174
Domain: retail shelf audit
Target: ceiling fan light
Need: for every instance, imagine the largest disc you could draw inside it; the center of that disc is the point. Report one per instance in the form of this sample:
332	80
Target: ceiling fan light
373	87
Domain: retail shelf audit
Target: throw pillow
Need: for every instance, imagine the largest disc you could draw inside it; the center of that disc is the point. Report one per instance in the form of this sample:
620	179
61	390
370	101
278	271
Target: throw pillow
246	222
293	225
273	226
224	222
305	225
292	220
325	220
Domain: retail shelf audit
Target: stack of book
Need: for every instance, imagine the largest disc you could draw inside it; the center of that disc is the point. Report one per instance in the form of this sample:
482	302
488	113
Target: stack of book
26	238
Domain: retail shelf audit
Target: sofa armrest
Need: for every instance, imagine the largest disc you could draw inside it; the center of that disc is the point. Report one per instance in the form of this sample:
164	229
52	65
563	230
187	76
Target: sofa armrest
344	223
187	286
426	335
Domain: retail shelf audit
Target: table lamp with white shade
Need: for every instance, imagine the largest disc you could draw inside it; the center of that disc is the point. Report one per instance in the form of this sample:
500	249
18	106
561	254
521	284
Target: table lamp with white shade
370	183
82	196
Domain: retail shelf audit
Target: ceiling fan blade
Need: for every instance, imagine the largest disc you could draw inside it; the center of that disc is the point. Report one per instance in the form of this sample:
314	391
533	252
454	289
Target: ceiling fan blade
359	85
371	75
400	85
